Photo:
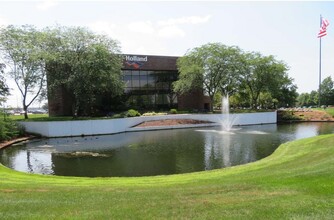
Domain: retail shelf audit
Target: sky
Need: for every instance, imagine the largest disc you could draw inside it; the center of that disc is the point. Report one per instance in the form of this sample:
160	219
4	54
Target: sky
285	29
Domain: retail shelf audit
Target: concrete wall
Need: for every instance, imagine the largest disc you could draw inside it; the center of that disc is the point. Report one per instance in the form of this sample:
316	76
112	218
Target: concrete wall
112	126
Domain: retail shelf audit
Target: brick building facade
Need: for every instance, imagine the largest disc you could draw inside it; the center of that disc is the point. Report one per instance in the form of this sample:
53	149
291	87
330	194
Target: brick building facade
148	85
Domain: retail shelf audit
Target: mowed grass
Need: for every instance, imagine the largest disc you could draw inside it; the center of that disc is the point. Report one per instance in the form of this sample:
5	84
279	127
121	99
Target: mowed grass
43	117
330	111
295	182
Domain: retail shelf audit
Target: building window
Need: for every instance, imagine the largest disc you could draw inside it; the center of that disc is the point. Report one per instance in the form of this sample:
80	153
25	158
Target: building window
150	89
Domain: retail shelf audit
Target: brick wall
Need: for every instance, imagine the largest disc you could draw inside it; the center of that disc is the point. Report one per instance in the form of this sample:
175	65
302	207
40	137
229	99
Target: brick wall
60	102
194	100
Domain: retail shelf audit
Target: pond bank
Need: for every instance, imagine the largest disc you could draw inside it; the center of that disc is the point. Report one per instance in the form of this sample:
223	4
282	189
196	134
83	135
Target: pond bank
14	141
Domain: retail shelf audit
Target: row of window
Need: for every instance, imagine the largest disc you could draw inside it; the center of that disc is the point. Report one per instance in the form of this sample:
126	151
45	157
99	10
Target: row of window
151	101
148	80
150	89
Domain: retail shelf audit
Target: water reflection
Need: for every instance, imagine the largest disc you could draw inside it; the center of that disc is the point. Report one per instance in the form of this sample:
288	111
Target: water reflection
243	145
156	152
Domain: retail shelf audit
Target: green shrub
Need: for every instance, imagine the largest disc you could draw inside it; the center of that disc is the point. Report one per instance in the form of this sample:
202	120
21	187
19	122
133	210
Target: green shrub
289	116
173	111
154	113
161	113
120	115
149	114
132	113
10	129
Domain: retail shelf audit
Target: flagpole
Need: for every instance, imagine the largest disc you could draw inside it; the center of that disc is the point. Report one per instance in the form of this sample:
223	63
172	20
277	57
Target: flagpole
319	96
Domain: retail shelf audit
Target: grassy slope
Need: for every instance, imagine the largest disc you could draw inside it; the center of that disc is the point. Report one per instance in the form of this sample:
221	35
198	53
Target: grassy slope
330	111
296	182
39	117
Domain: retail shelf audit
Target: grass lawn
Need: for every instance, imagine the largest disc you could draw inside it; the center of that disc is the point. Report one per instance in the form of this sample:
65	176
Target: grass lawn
330	111
295	182
45	117
31	117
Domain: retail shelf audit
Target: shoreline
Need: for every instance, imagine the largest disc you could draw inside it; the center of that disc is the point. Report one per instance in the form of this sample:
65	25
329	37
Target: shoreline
14	141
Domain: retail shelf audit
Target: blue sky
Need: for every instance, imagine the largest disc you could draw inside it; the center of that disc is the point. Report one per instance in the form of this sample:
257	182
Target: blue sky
288	30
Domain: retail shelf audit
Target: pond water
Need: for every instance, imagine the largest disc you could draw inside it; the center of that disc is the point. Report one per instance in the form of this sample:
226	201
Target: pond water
151	153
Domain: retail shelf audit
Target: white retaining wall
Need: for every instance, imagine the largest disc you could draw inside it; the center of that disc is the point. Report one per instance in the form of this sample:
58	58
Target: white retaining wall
112	126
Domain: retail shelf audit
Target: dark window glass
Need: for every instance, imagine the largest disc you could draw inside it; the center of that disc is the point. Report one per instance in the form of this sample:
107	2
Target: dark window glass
127	72
149	88
143	79
151	79
127	80
135	81
162	99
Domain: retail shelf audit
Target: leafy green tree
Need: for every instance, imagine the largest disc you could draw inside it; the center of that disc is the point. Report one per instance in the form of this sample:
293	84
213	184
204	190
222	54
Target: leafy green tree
211	67
304	99
264	74
286	95
86	64
314	98
23	52
308	99
266	100
327	91
240	99
218	100
4	90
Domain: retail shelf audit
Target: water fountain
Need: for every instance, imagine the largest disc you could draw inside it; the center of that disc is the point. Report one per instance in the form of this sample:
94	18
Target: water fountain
227	120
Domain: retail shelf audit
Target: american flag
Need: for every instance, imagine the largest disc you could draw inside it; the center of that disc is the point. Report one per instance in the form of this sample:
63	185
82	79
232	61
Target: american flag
323	28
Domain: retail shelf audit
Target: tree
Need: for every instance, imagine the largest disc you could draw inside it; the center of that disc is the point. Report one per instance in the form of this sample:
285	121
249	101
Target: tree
314	98
23	52
266	100
308	99
86	64
286	92
211	67
4	90
327	91
264	74
304	99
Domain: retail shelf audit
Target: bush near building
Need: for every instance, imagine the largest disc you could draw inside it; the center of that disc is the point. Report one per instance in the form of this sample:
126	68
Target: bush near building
10	129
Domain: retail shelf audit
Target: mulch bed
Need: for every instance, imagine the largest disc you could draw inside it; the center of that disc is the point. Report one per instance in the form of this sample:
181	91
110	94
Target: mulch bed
14	141
314	115
171	122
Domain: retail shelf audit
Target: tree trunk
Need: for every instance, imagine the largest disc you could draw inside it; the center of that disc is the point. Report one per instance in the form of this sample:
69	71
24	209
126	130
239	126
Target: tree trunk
25	109
254	103
211	100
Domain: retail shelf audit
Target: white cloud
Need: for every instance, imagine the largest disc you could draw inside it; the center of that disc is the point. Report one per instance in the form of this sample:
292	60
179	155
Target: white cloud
103	27
148	37
47	4
185	20
144	27
171	32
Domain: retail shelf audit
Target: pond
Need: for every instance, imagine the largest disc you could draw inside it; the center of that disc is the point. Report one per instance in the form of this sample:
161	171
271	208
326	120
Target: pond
151	153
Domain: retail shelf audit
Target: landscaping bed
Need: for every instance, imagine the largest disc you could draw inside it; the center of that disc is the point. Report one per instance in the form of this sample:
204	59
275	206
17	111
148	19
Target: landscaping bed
172	122
304	115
